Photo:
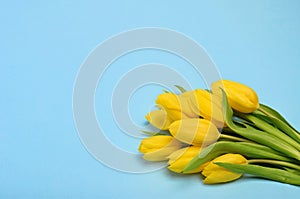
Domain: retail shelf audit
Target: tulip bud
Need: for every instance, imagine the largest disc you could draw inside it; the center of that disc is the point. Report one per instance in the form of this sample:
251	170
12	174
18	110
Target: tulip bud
208	106
176	106
195	131
240	97
185	103
216	174
180	158
159	119
158	148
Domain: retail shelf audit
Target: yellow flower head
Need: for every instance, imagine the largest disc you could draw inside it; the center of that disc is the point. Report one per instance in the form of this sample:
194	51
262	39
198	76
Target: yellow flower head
207	105
240	97
176	106
159	119
216	174
180	158
195	131
158	148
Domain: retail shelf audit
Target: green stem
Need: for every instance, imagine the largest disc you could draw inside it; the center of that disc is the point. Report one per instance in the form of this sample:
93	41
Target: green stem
233	138
274	114
280	125
276	162
256	135
271	130
271	112
264	172
247	149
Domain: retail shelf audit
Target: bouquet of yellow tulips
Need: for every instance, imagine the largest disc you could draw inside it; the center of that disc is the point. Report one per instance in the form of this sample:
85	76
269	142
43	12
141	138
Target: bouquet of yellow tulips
222	133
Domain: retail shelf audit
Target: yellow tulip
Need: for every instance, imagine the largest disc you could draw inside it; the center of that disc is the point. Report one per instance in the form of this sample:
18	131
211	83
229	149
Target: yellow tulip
176	106
216	174
159	119
195	131
208	106
158	148
180	158
185	103
240	97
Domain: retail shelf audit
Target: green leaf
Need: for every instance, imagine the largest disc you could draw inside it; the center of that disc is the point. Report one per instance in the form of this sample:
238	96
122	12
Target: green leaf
161	132
165	91
281	125
263	125
264	172
295	171
241	120
180	88
258	136
273	113
249	150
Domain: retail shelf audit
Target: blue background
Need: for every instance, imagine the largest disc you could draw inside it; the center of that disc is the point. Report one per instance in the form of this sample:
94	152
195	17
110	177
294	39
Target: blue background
43	44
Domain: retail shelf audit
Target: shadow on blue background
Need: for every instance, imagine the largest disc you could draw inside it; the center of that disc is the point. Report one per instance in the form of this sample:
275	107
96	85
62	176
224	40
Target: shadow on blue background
43	45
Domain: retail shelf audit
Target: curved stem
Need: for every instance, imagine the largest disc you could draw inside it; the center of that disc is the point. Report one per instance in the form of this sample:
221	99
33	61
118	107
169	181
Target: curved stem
274	114
247	149
271	130
258	136
271	112
230	137
276	174
276	162
264	112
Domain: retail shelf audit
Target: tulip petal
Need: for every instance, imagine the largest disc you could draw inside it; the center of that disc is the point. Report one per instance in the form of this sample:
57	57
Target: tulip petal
159	119
207	105
240	97
199	132
159	155
180	158
158	148
216	174
221	177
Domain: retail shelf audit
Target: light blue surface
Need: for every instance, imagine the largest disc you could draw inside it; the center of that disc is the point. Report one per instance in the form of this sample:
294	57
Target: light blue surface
43	44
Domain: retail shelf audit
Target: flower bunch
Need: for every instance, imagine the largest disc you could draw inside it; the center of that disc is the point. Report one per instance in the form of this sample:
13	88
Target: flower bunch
222	133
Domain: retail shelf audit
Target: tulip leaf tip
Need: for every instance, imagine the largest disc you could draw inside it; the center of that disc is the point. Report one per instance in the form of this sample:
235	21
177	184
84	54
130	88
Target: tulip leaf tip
180	88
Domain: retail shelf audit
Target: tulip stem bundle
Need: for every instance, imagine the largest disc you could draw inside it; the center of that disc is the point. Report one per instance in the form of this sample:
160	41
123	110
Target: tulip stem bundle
275	174
233	138
265	134
273	138
274	162
255	139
